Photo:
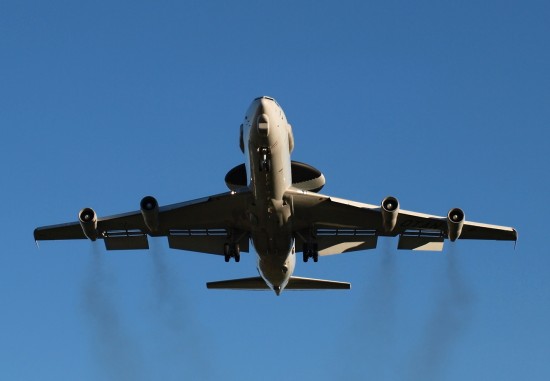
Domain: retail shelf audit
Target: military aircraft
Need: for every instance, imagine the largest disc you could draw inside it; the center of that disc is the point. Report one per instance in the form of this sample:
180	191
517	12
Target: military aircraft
273	202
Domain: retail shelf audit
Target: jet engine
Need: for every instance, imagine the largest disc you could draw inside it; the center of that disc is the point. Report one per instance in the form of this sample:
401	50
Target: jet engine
455	221
390	210
150	212
88	222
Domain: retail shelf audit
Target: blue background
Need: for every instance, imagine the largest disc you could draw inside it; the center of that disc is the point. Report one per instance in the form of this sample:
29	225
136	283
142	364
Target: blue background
440	104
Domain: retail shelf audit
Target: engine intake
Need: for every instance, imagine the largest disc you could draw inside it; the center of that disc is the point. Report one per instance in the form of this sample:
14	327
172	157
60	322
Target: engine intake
455	221
88	221
390	211
150	212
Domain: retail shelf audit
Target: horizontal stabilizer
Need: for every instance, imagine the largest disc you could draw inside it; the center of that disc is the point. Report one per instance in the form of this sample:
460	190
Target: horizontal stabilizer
295	283
255	284
298	283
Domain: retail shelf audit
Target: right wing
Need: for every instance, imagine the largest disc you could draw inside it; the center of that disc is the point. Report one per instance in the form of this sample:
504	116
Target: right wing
202	225
339	225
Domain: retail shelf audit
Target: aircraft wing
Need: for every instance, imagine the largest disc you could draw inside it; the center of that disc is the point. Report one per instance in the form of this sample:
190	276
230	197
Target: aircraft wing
342	225
202	225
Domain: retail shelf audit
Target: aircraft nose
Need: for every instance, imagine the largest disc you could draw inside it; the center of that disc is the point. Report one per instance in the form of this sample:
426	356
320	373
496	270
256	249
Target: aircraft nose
264	112
262	104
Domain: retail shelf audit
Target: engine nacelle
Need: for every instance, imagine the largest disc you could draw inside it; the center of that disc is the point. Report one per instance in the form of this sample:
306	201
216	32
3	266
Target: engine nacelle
390	211
88	222
455	221
150	212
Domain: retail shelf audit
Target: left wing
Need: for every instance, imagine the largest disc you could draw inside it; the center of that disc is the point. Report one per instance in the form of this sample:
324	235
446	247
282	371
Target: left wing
339	225
203	225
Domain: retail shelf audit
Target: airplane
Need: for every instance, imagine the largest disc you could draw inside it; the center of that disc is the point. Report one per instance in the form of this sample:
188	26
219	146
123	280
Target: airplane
274	203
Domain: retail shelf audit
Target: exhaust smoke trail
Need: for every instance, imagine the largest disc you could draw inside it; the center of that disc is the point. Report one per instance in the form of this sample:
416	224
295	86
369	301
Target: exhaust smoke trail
375	320
116	352
177	319
382	312
388	286
449	319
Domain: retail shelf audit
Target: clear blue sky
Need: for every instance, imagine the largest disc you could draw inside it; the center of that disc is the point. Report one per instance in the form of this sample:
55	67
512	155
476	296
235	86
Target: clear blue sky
439	103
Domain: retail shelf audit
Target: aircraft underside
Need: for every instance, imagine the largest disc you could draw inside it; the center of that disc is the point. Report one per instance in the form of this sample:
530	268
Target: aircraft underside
273	202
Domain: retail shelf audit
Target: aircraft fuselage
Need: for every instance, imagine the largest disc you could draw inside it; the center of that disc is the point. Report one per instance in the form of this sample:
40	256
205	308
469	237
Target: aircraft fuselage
267	147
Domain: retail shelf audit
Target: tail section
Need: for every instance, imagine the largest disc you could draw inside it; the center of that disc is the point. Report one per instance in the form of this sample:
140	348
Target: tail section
295	283
253	284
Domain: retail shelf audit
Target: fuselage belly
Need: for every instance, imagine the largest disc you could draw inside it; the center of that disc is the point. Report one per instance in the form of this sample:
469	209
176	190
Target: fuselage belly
266	142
